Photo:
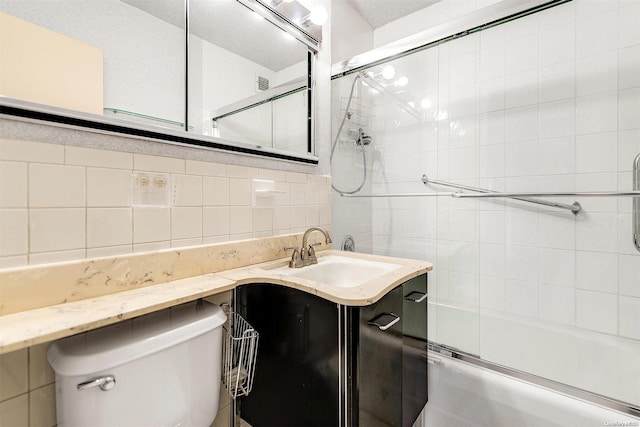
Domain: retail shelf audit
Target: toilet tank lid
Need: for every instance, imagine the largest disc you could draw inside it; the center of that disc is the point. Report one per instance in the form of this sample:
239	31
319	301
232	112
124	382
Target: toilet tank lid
120	343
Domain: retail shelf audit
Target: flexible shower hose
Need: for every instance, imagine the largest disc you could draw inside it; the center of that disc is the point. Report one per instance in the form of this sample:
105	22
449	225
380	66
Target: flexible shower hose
335	142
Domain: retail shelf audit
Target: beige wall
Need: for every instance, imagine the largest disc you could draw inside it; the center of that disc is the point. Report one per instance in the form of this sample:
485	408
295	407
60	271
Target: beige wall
40	65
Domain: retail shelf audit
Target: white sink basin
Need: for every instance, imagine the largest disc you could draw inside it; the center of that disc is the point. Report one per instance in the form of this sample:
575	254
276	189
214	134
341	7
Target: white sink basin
345	272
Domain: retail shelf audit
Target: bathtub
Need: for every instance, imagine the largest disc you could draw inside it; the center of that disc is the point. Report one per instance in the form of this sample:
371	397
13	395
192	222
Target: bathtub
465	395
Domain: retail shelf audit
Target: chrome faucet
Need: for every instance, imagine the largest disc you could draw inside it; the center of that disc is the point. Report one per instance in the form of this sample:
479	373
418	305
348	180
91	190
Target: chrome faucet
307	253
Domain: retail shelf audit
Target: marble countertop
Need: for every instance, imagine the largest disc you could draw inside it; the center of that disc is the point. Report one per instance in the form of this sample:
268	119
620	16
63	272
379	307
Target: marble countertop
32	326
364	294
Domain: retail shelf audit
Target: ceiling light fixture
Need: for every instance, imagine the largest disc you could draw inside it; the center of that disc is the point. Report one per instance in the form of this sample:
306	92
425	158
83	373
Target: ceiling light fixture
318	15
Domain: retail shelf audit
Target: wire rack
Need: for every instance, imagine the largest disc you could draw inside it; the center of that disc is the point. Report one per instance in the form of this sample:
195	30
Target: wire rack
240	351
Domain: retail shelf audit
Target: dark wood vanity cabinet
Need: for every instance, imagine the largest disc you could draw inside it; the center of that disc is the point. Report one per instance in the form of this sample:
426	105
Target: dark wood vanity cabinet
298	367
324	364
388	351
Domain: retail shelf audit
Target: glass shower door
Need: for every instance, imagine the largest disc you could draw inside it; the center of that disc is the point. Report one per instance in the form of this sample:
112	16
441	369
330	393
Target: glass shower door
541	104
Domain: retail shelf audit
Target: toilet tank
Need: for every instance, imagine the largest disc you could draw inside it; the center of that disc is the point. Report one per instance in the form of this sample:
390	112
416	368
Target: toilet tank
161	369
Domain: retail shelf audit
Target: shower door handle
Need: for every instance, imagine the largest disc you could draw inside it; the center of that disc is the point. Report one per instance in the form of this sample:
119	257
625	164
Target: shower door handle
379	319
635	211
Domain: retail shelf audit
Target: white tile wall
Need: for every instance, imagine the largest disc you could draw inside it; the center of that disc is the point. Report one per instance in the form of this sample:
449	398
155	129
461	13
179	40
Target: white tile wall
151	224
108	187
597	311
82	156
109	227
143	162
596	153
186	223
241	219
215	221
60	203
521	298
187	190
597	113
215	191
56	186
36	152
630	317
557	81
13	185
14	235
603	278
557	304
548	102
52	230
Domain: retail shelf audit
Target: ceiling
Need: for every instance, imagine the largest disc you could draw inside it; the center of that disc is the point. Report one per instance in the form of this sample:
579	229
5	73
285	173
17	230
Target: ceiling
380	12
221	22
225	23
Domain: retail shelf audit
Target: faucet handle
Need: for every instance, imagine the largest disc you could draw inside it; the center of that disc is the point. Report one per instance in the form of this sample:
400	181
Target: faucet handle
311	254
310	250
296	258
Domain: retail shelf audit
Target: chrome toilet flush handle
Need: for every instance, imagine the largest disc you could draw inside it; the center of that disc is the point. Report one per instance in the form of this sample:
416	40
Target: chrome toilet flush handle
105	383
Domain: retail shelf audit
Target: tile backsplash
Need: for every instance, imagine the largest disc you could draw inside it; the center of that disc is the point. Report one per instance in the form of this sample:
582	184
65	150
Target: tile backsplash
61	203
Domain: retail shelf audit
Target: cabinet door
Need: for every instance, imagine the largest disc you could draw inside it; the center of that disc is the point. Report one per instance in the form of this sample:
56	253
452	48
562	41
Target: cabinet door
414	349
296	378
379	368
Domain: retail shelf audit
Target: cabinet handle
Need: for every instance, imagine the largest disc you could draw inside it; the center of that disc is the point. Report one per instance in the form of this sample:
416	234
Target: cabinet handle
395	320
416	296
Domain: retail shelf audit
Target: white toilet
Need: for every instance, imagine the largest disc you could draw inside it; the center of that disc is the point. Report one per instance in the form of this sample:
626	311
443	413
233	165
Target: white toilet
161	369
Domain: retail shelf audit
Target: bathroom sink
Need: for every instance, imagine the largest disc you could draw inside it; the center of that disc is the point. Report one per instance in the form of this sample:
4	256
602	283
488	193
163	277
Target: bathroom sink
345	272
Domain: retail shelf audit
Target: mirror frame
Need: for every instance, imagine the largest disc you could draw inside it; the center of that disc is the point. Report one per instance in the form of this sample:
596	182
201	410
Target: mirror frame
29	111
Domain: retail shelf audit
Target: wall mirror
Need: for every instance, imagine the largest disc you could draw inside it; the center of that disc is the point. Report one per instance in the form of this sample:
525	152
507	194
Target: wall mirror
236	79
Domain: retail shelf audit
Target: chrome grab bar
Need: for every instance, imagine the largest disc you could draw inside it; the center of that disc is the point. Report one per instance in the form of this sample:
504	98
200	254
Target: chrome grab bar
550	194
575	207
635	211
527	196
357	196
460	195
